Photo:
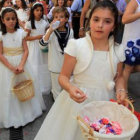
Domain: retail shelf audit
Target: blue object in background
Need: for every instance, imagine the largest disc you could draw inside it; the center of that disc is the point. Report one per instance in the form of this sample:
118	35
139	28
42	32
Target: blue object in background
130	44
128	53
135	51
138	42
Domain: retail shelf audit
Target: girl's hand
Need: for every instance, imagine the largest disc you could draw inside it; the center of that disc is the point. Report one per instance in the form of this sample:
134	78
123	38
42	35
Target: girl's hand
121	96
81	33
77	95
39	36
19	70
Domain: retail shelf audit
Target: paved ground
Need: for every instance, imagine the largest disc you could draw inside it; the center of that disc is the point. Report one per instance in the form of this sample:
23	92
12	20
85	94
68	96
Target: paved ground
31	129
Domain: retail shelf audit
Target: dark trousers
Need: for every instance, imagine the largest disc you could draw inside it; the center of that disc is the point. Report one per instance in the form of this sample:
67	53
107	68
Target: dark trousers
76	24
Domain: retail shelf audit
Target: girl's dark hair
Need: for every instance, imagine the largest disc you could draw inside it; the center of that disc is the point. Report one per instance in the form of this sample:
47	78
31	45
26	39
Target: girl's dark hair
112	7
24	5
32	17
56	3
3	27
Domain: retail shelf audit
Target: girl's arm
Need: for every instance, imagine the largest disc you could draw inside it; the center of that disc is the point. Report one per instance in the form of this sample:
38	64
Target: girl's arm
82	18
4	60
31	38
130	15
120	85
64	79
20	68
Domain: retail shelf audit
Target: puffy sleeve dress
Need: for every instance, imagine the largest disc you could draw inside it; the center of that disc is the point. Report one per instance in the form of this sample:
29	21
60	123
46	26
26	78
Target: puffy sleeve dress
12	111
93	81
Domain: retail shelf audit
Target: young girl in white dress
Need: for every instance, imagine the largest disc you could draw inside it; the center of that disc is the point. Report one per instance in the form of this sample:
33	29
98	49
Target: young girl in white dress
36	28
13	55
22	12
94	61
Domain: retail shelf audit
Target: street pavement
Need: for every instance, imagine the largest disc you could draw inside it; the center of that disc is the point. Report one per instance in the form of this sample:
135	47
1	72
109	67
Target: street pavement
30	130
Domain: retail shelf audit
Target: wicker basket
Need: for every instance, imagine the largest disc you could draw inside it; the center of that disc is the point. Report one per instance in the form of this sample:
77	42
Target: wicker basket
24	90
90	134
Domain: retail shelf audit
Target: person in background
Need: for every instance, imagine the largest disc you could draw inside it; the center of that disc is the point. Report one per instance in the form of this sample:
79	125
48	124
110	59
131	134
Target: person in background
60	3
121	5
5	3
56	40
89	4
76	9
36	28
22	12
69	3
131	40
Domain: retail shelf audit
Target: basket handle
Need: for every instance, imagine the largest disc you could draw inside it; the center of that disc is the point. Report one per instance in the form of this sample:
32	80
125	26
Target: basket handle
131	105
79	119
14	75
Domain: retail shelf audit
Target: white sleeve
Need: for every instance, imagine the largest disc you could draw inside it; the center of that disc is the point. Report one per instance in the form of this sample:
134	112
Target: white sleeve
28	25
24	34
71	48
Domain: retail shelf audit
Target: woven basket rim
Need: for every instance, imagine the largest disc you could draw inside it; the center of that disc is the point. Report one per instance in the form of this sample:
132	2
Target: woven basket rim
29	82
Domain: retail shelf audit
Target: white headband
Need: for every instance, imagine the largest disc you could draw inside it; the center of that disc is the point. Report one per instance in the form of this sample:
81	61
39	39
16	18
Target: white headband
37	3
4	8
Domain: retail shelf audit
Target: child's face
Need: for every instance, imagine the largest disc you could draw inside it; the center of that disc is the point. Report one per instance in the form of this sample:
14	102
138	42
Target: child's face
38	13
19	3
60	2
10	21
101	23
7	3
61	17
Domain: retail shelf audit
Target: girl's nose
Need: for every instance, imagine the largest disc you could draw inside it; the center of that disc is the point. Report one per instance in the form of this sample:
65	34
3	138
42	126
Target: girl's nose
100	25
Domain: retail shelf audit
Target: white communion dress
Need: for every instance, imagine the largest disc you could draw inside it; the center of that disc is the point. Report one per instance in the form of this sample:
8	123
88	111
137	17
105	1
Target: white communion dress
60	123
37	58
13	112
23	14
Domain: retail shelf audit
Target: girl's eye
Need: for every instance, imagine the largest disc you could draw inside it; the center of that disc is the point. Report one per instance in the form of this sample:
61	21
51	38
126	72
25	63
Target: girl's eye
8	19
61	16
13	18
107	21
95	20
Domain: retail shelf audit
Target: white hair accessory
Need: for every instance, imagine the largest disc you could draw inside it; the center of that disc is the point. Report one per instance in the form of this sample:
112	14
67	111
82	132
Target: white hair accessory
4	8
0	0
37	3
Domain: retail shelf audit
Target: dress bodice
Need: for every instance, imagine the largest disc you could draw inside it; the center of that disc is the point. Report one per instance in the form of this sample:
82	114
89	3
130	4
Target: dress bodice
13	40
40	27
98	73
